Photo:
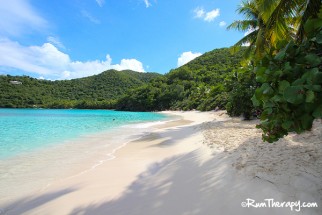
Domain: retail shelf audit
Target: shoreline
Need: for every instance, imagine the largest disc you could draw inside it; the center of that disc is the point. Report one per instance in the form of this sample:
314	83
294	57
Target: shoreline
111	155
34	171
198	166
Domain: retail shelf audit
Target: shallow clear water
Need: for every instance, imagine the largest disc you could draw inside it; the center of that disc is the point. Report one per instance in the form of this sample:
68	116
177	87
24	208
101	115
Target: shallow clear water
39	147
24	130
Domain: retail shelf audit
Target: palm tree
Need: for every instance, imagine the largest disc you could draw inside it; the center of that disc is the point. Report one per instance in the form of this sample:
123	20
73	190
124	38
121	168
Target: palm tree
271	21
281	15
254	24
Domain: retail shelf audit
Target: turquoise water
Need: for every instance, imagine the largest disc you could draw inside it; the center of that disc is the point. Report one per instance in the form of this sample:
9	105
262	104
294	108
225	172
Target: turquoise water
25	130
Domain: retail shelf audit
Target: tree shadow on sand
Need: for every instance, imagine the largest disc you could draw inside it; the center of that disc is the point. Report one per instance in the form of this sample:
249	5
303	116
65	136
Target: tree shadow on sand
194	184
187	184
190	184
27	204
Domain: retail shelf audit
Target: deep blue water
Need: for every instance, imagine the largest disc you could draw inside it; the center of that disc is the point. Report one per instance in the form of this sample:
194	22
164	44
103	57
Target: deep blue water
24	130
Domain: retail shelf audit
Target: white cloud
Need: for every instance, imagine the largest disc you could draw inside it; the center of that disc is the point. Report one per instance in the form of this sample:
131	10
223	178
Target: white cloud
50	63
91	18
147	3
131	64
100	2
222	23
210	16
199	12
17	16
56	42
186	57
250	30
206	16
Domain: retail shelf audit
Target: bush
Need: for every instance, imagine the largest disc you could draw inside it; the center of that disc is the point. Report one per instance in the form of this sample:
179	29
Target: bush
291	92
242	89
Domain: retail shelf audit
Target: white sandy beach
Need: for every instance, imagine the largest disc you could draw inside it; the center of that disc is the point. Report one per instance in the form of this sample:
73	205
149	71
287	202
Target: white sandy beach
206	163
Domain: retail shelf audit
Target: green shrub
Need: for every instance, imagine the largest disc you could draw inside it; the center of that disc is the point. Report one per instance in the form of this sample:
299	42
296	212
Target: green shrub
242	87
291	92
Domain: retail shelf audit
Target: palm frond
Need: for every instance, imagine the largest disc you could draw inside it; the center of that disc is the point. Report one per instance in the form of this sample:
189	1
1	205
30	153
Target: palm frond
266	7
311	10
260	42
248	9
277	25
243	25
248	39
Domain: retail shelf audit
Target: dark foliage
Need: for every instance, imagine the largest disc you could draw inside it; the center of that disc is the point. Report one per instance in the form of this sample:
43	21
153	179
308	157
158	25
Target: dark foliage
291	85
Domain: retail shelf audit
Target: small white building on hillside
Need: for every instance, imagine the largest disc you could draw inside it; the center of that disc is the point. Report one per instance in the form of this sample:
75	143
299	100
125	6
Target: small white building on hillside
15	82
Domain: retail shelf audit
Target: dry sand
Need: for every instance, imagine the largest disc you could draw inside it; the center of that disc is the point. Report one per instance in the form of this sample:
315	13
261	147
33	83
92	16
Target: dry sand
205	163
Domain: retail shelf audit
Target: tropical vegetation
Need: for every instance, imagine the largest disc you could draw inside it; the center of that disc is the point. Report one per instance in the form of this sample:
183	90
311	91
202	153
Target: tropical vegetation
98	91
202	84
285	47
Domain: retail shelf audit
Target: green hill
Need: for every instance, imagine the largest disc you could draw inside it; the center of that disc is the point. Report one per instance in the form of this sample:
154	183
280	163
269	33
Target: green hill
204	84
98	91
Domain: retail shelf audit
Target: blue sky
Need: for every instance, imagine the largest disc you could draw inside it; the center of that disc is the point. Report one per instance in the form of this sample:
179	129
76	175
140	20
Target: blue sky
65	39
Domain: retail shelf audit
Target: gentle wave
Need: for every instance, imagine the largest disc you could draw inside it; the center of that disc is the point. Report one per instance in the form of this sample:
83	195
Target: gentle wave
24	130
31	170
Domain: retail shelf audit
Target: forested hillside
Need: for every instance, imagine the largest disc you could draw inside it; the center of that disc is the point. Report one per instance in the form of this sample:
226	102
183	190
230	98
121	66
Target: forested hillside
201	84
98	91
